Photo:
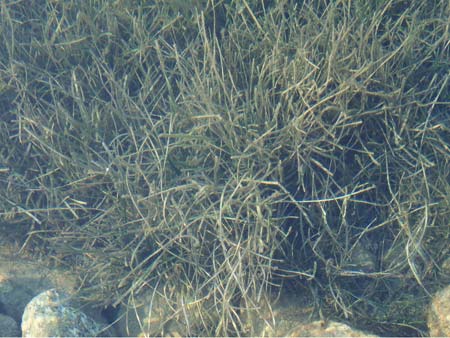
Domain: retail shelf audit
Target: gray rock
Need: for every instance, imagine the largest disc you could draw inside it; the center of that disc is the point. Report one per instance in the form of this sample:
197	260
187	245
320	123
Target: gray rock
8	327
14	293
23	277
50	315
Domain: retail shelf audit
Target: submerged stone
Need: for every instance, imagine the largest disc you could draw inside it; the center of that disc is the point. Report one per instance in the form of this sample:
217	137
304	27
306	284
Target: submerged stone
49	315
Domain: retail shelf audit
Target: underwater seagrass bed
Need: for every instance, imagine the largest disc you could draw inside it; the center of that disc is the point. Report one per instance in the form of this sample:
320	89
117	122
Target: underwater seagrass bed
232	148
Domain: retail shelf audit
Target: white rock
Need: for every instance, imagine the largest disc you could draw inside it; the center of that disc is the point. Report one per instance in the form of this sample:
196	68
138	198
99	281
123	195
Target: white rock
49	315
439	314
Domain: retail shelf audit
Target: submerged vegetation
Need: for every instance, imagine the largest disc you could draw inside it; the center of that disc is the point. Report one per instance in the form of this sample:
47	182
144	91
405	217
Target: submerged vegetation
232	148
